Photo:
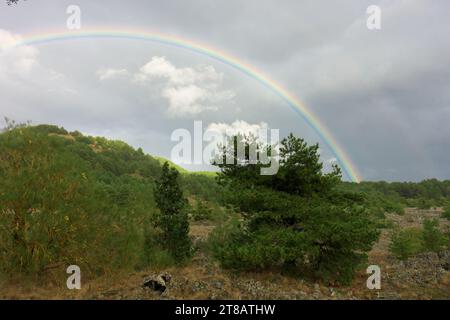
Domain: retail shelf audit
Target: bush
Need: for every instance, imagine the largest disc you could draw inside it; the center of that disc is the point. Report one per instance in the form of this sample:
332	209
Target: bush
155	255
319	238
446	213
406	243
393	206
433	239
201	211
424	204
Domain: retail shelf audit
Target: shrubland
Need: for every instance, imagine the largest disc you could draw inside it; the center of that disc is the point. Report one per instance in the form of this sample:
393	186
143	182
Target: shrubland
67	198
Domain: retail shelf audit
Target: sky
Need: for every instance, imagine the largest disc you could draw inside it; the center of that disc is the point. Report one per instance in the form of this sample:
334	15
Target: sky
382	94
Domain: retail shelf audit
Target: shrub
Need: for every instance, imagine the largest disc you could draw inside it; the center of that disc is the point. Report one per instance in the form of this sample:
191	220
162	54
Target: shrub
155	255
424	204
406	243
433	239
316	236
446	213
393	206
201	211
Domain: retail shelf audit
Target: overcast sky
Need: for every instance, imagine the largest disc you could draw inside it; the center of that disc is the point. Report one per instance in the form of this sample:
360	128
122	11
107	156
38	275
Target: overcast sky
383	94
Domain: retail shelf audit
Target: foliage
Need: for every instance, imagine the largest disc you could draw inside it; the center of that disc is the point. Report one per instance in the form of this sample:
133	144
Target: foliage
406	243
411	241
53	209
289	221
300	172
173	218
433	239
423	195
66	198
446	213
201	211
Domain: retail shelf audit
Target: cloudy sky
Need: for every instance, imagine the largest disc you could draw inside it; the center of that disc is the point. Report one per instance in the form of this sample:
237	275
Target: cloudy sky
383	94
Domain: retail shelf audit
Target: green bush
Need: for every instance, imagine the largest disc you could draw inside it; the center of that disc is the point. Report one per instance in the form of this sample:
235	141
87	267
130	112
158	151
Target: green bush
406	243
155	255
433	239
446	213
393	206
201	211
424	204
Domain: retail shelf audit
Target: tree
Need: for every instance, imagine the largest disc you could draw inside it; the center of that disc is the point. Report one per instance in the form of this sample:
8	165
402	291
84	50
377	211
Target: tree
301	170
240	167
173	218
295	218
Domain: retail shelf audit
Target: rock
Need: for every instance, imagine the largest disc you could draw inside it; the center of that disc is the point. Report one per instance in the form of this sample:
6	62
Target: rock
218	284
157	283
332	293
199	286
445	259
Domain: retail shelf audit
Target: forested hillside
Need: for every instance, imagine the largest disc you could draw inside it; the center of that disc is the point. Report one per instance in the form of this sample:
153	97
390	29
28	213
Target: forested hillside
69	198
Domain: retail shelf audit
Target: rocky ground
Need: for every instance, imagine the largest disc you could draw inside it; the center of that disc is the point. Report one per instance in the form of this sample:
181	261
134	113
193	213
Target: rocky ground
426	276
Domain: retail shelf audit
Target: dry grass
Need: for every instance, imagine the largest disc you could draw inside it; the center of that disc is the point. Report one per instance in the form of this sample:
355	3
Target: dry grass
201	278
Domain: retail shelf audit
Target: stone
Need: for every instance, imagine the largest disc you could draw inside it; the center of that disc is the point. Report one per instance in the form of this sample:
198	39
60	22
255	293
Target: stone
157	283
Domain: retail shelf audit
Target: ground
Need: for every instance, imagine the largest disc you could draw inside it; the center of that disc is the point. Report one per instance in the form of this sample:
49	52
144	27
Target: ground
425	276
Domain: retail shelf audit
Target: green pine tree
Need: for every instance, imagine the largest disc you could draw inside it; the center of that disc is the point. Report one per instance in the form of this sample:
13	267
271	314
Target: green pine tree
173	218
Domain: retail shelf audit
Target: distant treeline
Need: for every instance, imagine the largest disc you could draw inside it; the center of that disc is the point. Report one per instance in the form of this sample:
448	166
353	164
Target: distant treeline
423	195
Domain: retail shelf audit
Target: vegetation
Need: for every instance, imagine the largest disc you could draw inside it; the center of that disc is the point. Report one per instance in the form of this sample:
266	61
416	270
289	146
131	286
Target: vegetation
433	239
409	242
173	218
406	243
422	195
290	222
67	198
446	213
202	211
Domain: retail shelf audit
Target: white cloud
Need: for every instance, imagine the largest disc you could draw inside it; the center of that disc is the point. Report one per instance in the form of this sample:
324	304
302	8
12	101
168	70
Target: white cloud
161	68
186	99
111	73
188	91
238	126
20	64
16	60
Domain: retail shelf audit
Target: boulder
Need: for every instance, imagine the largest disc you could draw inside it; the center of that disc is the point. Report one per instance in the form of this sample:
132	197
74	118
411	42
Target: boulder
157	283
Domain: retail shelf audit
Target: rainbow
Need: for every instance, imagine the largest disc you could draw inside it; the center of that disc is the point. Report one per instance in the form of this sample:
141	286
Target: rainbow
167	39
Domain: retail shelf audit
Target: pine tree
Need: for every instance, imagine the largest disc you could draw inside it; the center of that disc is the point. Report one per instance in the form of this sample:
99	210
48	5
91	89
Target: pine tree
173	218
296	218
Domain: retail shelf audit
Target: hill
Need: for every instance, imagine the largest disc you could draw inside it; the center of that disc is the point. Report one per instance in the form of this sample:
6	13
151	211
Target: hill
67	197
